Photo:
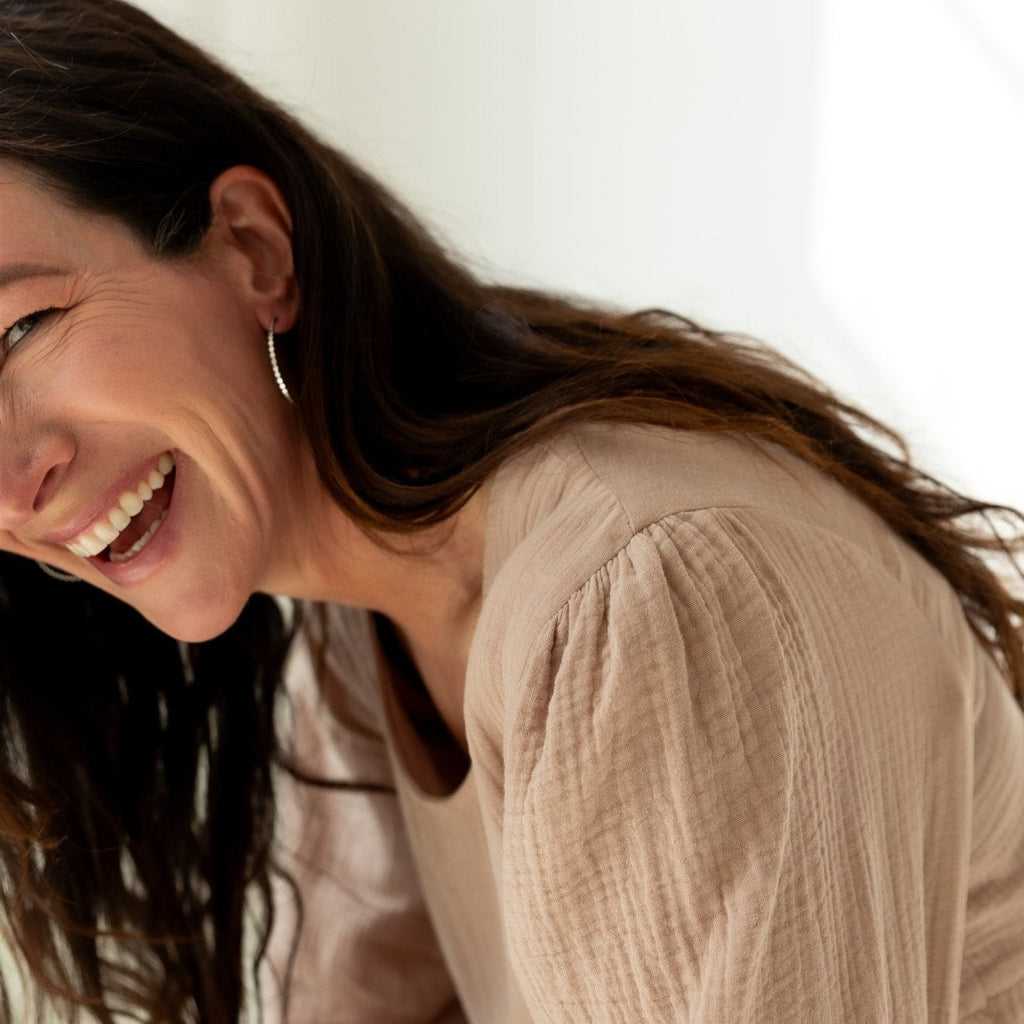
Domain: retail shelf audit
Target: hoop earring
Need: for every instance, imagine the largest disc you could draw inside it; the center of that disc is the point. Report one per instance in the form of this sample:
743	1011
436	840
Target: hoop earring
275	369
57	574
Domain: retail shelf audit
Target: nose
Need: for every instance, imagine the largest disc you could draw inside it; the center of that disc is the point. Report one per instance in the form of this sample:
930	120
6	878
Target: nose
30	475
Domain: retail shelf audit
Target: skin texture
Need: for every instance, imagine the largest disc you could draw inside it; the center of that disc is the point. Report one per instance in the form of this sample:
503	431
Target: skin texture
140	356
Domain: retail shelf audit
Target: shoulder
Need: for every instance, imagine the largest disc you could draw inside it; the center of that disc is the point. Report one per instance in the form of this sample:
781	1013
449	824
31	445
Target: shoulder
697	547
561	512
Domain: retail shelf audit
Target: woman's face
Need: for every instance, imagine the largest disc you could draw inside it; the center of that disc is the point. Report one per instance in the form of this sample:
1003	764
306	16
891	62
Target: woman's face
143	443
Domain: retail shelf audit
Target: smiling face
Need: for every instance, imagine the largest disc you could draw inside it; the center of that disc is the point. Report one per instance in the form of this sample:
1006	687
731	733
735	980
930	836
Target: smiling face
143	443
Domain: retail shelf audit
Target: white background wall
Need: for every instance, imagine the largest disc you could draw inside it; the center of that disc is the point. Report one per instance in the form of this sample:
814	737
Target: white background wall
842	178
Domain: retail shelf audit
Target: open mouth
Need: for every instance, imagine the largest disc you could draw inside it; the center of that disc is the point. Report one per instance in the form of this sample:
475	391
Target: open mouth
134	521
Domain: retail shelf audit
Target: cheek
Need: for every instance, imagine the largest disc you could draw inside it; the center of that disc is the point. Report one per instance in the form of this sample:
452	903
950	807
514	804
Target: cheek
221	344
96	362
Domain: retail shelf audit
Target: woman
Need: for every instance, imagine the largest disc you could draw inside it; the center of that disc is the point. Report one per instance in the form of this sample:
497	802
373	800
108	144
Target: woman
697	698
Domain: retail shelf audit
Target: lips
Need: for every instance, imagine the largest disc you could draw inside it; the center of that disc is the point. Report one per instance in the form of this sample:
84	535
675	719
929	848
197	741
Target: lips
128	526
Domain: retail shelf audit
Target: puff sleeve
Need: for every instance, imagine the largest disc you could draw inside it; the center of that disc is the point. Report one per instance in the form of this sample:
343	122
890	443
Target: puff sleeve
736	787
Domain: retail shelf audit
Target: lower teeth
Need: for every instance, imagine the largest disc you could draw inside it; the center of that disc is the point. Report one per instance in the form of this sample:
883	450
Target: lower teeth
124	556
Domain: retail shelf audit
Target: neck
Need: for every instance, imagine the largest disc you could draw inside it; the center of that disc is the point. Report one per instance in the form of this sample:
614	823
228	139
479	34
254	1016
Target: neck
429	584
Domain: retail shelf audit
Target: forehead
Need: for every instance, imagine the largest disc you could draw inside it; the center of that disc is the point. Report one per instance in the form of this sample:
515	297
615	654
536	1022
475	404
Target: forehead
38	229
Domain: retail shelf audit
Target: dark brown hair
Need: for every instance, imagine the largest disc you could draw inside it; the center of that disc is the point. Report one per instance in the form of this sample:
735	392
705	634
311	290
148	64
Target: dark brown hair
134	809
415	381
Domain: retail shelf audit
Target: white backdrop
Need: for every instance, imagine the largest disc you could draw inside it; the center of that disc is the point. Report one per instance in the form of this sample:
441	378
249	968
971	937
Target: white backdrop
839	177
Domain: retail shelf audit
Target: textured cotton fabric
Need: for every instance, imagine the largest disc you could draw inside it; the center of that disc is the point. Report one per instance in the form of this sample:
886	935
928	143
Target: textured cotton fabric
736	757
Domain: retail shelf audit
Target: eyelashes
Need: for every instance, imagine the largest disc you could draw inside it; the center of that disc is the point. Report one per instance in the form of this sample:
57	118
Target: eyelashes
23	327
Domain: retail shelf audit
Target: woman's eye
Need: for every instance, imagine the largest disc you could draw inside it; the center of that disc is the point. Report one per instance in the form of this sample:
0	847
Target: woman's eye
20	328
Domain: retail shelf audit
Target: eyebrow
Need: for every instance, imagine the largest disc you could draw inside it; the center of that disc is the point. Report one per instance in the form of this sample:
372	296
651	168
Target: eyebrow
14	272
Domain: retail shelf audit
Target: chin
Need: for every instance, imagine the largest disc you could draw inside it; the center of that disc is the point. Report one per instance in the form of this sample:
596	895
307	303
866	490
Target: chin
195	622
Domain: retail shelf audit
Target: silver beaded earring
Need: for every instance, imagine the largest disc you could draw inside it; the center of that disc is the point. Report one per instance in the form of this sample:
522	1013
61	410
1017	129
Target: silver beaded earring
64	577
276	370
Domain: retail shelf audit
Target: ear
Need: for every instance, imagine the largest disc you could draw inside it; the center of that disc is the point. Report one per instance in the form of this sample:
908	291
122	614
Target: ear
252	224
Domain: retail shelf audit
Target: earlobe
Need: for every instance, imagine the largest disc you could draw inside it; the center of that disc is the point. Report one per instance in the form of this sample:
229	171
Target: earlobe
251	218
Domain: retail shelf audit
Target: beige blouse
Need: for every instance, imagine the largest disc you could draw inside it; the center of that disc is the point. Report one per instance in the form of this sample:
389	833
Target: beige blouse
736	758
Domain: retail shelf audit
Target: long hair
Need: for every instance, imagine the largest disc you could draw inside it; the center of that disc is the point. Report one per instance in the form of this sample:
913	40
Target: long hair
414	381
135	817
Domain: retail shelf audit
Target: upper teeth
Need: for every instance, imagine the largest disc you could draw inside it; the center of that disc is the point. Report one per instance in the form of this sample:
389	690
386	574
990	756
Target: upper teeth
129	505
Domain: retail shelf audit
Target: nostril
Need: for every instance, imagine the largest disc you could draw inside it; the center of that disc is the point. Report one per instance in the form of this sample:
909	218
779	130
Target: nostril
47	484
32	473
